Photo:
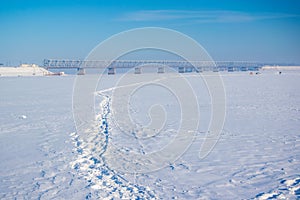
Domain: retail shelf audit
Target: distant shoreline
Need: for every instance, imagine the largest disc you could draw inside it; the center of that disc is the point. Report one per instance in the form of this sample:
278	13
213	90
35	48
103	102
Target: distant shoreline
24	70
268	67
35	70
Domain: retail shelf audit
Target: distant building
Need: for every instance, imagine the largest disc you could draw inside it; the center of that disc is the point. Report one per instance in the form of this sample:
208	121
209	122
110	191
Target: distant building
29	65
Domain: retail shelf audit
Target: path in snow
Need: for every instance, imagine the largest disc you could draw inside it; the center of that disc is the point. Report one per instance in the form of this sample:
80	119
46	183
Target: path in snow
90	163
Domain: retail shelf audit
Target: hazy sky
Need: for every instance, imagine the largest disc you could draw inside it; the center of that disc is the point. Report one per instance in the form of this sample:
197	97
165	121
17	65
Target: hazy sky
256	30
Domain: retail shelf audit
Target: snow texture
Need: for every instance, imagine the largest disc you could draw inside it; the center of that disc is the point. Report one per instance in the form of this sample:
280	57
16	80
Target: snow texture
257	156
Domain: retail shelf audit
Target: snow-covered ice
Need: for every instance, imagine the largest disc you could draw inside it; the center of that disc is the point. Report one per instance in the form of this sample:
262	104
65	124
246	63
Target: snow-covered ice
43	156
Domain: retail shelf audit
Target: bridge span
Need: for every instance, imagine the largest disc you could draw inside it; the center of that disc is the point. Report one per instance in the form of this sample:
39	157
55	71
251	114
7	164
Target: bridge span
179	65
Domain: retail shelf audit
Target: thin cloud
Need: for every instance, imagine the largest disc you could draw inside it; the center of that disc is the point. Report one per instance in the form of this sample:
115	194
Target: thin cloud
200	16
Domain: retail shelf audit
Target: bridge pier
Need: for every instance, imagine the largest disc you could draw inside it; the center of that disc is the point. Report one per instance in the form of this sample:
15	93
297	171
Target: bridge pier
160	70
230	69
80	71
215	69
243	69
189	69
199	69
137	70
181	69
111	71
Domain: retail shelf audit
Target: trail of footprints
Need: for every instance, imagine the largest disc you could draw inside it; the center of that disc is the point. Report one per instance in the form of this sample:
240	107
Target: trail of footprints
103	182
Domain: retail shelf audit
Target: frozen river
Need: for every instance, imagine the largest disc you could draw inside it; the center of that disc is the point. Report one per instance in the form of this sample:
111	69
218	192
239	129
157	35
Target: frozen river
257	155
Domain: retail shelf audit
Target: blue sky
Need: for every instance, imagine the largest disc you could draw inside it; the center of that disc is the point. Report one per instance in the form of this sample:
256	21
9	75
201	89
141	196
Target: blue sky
256	30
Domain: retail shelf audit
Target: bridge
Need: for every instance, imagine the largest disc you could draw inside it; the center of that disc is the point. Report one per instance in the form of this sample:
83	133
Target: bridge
180	65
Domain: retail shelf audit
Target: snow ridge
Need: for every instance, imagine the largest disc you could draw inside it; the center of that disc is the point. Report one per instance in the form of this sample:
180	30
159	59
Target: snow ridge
288	189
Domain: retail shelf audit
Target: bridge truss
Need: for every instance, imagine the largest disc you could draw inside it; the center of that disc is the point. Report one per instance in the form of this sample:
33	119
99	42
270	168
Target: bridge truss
196	65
